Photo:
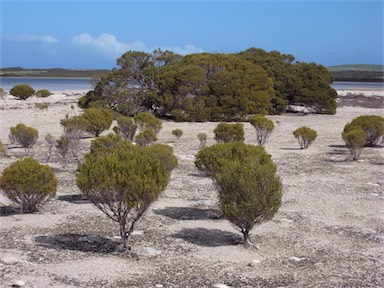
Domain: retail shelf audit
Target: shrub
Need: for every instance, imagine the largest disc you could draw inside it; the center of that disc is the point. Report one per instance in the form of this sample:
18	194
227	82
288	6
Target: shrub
3	149
2	93
164	154
43	93
355	141
74	127
146	137
305	136
42	106
228	132
24	135
146	120
51	142
373	126
63	146
29	184
126	126
249	190
263	127
177	133
122	182
105	143
22	91
202	138
97	120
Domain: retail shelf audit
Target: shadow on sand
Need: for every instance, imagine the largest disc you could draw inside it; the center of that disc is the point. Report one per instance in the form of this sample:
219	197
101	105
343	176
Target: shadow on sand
189	213
208	237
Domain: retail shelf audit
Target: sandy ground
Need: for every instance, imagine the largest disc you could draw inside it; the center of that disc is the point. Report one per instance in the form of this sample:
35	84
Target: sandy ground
329	231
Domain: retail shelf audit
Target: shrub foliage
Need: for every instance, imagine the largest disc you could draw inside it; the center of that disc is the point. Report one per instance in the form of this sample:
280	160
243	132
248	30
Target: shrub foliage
305	136
373	126
229	132
355	140
249	190
22	91
28	183
24	135
263	127
97	120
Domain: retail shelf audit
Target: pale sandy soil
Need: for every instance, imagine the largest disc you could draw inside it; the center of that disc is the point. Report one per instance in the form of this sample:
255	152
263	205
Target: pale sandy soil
329	231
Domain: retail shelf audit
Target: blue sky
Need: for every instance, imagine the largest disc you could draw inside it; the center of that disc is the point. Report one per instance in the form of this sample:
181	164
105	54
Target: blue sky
93	34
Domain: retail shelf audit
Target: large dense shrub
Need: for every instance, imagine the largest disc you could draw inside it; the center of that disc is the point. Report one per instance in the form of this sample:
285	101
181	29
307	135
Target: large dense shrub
373	126
229	132
263	127
355	141
122	181
28	183
305	136
97	120
24	135
249	190
22	91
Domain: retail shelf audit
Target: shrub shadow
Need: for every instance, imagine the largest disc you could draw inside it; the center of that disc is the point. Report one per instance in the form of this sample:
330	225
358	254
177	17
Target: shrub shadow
78	242
74	198
208	237
9	211
189	213
291	149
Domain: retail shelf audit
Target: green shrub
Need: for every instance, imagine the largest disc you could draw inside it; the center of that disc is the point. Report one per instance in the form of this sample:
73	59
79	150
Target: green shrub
228	132
106	143
22	91
126	126
74	127
146	120
24	135
177	133
355	141
29	184
97	120
51	142
43	93
373	126
42	106
164	154
305	136
146	137
202	138
63	146
122	182
263	127
249	190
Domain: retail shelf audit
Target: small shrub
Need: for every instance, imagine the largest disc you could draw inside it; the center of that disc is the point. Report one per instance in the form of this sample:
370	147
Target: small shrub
146	120
24	135
305	136
126	126
3	149
63	146
105	143
263	127
228	132
164	154
42	106
29	184
202	138
51	142
355	140
43	93
373	126
146	137
97	120
22	91
177	133
74	127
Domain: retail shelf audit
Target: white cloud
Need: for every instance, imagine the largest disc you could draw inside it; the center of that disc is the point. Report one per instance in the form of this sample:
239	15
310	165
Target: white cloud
30	38
109	44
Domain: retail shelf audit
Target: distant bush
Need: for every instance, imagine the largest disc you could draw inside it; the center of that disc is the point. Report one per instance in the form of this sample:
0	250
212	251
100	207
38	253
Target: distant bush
97	120
305	136
126	126
42	106
249	191
24	135
43	93
355	141
3	149
263	127
146	137
373	126
177	133
202	138
22	91
229	132
146	120
28	183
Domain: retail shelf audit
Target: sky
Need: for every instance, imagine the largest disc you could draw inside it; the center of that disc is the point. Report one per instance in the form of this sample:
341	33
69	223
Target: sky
92	34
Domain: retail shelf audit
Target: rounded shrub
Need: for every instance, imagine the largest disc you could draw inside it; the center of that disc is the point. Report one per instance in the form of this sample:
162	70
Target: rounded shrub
24	135
177	133
22	91
263	127
229	132
355	141
373	126
202	138
43	93
146	120
126	126
97	120
305	136
28	183
146	137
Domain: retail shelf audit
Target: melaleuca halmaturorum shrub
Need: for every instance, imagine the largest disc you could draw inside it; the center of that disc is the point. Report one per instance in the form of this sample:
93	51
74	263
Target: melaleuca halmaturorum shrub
43	93
355	141
28	183
263	127
126	127
177	133
229	132
145	121
305	136
24	135
22	91
373	126
97	120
